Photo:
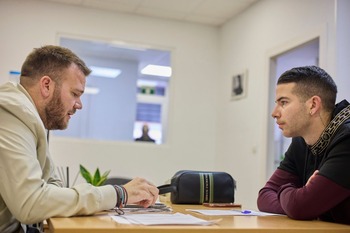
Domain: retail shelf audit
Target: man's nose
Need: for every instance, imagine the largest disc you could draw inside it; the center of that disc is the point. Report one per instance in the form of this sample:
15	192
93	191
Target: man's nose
274	113
78	105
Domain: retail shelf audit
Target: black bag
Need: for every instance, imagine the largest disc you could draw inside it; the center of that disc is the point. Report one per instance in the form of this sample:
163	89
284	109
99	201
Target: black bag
197	187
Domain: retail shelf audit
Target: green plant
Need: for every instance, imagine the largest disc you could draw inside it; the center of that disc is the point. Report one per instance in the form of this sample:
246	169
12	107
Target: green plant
96	179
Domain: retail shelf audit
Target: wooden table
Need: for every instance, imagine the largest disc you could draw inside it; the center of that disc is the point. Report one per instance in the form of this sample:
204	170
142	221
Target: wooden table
102	223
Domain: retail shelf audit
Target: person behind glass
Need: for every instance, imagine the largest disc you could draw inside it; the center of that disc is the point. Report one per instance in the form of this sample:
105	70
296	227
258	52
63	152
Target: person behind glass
145	137
52	82
313	179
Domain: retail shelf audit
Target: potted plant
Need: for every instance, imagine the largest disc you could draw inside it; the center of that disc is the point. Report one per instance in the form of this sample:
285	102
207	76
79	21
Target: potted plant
96	179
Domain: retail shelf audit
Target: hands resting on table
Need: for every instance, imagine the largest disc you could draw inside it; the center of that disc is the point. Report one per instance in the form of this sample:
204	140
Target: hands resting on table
141	192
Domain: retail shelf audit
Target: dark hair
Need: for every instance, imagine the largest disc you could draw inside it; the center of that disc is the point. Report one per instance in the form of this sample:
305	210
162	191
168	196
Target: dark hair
311	81
50	60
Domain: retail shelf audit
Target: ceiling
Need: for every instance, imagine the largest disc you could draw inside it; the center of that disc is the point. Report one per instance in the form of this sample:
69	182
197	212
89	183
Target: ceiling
208	12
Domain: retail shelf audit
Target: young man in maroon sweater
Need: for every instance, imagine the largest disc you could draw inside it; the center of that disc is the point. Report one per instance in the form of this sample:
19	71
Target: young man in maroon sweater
313	180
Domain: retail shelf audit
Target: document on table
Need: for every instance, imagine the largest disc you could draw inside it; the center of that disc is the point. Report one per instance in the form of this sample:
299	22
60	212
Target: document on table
161	219
212	212
157	207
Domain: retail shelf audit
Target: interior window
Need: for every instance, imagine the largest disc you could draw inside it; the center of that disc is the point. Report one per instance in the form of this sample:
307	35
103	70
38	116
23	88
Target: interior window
123	93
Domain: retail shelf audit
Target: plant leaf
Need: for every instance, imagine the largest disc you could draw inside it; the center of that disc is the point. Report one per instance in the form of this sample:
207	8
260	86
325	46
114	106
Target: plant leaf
85	174
101	181
103	178
106	173
97	177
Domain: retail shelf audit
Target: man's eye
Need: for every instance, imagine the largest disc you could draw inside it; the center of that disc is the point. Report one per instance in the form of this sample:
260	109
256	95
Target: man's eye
283	103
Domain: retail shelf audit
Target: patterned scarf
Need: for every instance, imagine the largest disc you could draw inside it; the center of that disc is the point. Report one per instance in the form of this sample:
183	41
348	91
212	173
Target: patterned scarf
330	130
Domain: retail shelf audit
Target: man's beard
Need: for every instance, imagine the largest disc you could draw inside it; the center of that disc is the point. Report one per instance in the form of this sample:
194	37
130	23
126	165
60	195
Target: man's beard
55	113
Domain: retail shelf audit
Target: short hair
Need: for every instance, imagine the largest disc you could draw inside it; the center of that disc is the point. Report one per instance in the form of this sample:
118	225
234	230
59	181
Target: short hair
311	81
50	60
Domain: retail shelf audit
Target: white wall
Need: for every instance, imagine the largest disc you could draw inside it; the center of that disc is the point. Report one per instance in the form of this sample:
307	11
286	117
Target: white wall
343	48
206	129
247	42
192	110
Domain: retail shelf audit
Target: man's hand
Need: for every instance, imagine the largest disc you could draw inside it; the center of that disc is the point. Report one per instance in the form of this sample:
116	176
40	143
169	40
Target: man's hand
311	177
141	192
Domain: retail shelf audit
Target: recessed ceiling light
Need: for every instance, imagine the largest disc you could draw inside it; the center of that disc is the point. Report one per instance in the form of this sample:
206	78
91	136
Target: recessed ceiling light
104	72
164	71
91	90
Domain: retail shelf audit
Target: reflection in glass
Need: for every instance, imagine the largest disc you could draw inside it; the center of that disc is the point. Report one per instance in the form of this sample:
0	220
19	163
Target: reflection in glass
116	107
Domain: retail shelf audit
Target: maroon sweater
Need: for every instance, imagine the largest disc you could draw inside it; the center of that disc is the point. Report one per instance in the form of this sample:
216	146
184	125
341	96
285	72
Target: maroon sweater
327	196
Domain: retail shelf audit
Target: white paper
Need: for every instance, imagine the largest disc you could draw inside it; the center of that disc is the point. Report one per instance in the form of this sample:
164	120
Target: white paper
161	219
231	212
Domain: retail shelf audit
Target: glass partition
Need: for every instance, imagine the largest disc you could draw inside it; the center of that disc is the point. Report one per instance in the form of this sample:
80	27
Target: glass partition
121	98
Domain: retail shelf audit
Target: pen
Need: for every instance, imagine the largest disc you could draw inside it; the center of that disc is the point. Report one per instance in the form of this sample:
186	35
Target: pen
245	211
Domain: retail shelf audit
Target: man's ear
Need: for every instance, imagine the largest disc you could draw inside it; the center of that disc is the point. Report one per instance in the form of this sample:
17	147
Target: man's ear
315	104
46	86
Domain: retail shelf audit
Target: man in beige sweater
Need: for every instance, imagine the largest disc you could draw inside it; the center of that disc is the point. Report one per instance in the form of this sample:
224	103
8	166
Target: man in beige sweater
51	84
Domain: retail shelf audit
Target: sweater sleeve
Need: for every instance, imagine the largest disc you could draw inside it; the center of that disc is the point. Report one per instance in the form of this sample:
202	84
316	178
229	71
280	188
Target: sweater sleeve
268	195
312	200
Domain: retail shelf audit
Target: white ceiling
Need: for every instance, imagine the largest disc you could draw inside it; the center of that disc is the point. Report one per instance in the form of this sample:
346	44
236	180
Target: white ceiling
208	12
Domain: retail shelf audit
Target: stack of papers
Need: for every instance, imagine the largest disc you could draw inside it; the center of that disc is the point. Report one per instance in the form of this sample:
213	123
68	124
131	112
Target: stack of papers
161	219
157	207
